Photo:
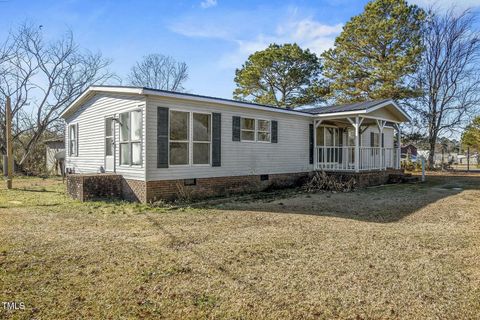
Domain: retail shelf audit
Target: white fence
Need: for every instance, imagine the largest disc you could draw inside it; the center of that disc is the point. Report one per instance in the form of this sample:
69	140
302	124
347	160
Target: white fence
343	158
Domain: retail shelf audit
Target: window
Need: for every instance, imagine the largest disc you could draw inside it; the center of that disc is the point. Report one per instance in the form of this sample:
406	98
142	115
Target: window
263	130
109	136
375	139
190	134
201	138
255	130
179	137
131	138
72	140
247	127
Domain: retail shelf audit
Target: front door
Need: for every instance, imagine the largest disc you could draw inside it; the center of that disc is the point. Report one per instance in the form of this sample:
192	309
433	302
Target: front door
109	145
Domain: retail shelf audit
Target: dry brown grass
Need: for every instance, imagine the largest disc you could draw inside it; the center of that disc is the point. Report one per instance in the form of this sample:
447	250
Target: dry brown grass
395	252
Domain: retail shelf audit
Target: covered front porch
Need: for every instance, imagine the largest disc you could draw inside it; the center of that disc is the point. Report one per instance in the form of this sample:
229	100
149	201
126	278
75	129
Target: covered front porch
358	140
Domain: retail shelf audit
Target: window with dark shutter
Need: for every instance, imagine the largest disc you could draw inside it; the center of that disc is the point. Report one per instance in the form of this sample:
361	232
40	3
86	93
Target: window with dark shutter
216	139
162	137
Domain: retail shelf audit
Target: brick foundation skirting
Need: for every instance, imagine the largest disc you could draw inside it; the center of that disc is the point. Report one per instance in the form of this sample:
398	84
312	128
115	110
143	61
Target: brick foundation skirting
87	187
220	186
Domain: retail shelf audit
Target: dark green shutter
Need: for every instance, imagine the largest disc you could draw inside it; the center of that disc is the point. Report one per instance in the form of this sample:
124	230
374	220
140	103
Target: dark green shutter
310	142
383	140
235	128
372	139
216	139
274	131
162	137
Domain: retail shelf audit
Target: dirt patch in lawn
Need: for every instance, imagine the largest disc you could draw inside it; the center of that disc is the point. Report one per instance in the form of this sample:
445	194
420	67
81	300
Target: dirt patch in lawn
395	252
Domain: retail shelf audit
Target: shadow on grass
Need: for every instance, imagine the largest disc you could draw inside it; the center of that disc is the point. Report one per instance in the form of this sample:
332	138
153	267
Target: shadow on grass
383	204
219	267
35	190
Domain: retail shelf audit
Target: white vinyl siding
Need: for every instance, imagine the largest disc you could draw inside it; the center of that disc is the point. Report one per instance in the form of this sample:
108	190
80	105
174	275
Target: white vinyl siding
289	155
90	118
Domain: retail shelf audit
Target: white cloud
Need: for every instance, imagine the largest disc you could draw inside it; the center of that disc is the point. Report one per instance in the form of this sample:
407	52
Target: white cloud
447	4
208	3
262	29
307	33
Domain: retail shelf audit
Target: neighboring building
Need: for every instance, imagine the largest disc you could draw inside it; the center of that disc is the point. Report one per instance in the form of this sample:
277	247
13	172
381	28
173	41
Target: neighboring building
55	156
164	144
409	152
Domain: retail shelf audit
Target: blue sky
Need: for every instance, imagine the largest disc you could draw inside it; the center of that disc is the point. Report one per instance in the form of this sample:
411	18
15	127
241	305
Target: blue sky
212	36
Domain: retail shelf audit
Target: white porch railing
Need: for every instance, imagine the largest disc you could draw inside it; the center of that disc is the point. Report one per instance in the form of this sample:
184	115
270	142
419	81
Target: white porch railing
333	158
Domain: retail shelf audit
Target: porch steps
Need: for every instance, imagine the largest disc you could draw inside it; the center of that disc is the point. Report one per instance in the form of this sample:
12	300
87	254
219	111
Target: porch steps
402	178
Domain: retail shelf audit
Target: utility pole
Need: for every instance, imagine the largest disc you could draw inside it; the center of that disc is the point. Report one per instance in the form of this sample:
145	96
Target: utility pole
8	136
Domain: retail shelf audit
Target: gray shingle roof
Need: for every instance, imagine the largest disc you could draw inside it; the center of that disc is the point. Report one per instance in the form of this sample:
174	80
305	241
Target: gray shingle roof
345	107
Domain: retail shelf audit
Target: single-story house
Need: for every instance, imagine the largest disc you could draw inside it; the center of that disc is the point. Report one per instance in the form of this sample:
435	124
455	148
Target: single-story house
165	144
54	156
409	152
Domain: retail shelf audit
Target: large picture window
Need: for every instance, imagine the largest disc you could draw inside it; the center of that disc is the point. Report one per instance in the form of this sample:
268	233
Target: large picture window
72	140
131	138
190	138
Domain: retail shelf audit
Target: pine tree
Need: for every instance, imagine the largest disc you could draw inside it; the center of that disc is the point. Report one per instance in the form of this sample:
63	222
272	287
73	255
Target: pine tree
375	52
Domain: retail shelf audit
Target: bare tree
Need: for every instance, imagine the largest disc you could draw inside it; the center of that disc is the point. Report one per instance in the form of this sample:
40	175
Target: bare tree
448	78
159	72
43	78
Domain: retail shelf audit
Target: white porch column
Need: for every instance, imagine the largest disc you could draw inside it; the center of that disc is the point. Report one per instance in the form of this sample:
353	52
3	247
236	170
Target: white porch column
381	126
356	125
398	146
357	144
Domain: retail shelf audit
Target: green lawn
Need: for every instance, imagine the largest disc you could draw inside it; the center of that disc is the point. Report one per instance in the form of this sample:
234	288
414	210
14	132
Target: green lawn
394	252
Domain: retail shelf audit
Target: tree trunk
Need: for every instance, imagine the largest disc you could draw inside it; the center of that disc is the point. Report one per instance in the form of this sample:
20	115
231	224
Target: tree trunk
431	154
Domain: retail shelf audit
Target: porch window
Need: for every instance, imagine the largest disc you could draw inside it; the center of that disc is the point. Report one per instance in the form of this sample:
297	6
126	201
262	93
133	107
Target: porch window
263	130
72	140
130	138
247	129
375	139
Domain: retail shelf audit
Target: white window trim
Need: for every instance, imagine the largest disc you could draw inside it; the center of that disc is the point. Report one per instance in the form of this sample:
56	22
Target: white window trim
209	164
258	131
190	139
105	136
255	130
249	130
74	154
130	141
378	138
